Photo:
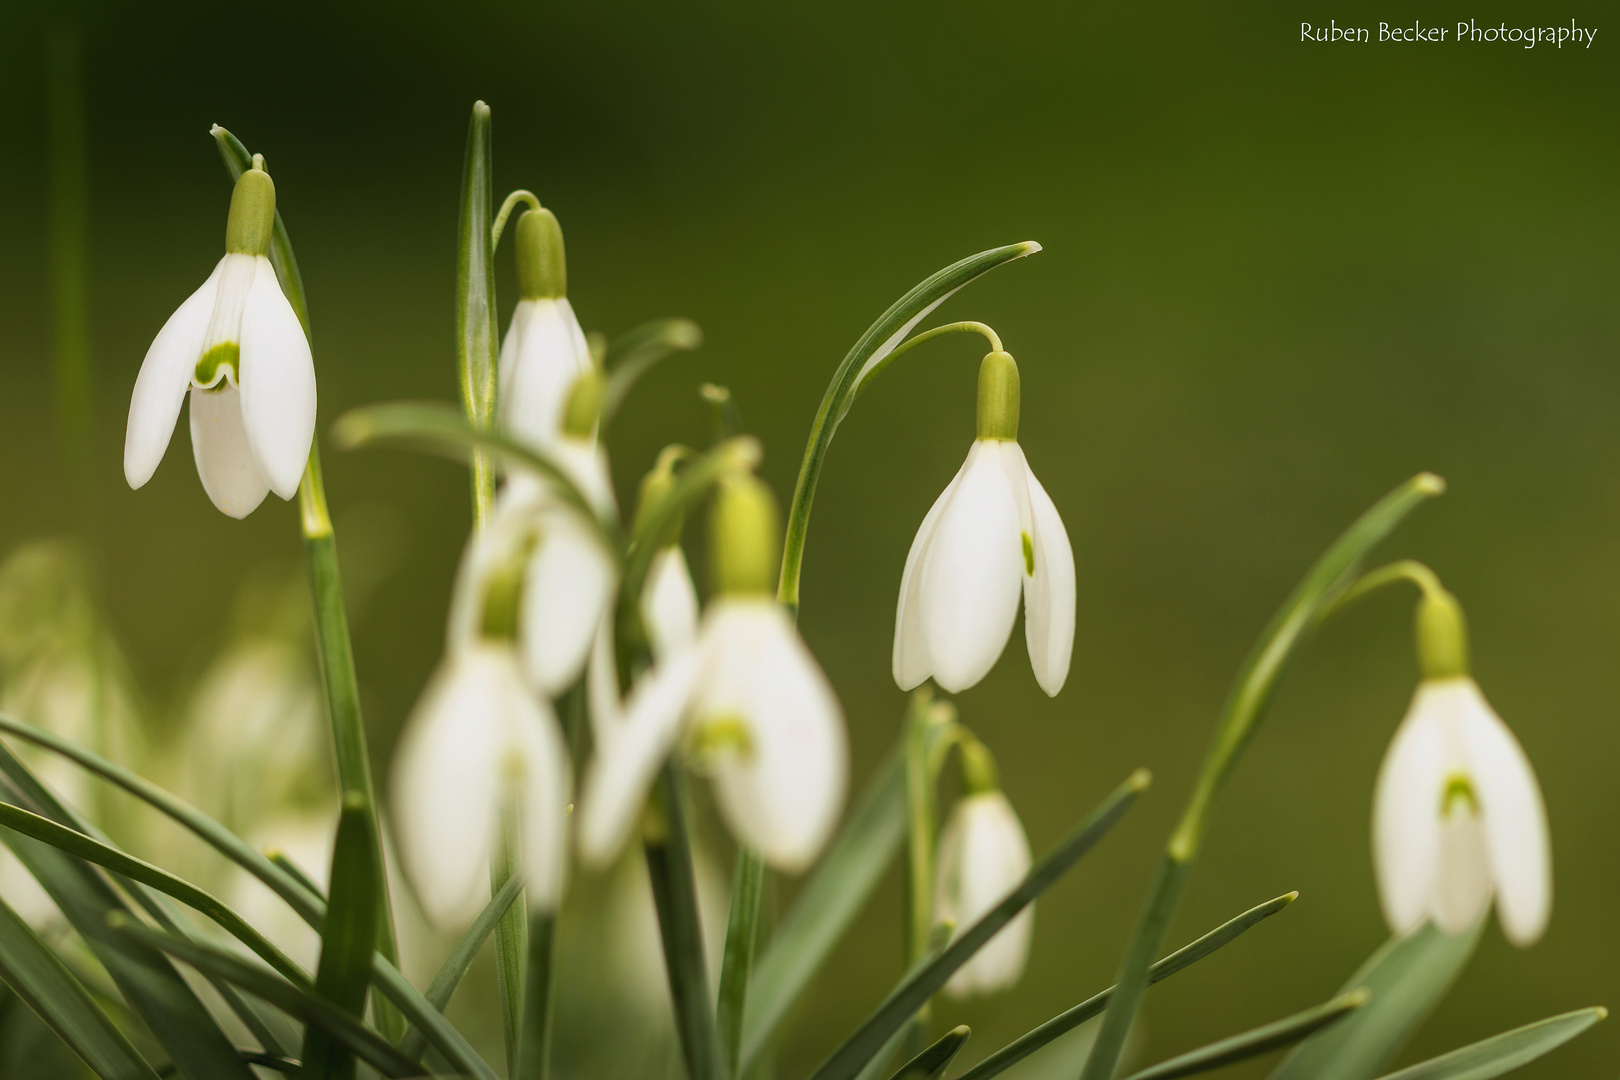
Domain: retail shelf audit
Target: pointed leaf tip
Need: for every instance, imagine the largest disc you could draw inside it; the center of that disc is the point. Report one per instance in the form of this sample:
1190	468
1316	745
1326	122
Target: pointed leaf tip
1140	780
1431	483
1290	897
1032	246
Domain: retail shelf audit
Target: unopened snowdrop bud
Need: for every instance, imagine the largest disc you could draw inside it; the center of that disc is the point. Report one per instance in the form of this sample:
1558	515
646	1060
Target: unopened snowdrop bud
992	536
983	856
745	537
669	602
237	345
545	350
584	407
1457	814
480	747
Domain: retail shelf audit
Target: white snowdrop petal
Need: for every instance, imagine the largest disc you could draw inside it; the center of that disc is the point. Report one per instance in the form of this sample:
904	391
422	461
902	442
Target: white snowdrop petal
1049	592
278	383
973	573
161	385
567	590
624	766
910	637
549	356
586	464
984	855
515	331
602	687
1406	815
669	602
219	446
535	772
444	785
1513	817
782	793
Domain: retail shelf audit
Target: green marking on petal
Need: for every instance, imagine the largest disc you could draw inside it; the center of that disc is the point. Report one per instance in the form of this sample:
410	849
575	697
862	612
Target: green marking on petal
1029	555
208	374
720	734
1458	789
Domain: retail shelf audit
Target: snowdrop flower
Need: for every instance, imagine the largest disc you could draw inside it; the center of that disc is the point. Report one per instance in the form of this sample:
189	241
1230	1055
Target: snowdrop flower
544	352
993	533
1458	815
755	711
669	602
480	749
983	856
238	347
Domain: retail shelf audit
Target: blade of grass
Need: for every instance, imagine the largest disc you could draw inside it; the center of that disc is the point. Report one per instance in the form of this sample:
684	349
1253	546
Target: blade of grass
932	1062
826	905
477	340
1069	1019
1503	1053
37	975
847	1060
460	959
348	938
737	961
534	1053
1261	1040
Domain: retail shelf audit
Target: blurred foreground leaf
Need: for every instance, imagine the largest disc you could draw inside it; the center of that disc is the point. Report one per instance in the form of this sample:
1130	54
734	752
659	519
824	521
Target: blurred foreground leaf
1503	1053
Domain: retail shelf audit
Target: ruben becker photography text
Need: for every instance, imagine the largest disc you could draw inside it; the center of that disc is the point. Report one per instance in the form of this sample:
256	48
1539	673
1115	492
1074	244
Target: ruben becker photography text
1465	32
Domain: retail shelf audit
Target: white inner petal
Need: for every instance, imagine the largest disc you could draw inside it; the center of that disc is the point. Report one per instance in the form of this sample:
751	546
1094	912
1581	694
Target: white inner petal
225	324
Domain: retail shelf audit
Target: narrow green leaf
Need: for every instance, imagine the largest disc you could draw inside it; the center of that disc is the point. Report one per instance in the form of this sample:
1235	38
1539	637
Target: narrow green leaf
826	905
669	865
934	1060
309	907
633	353
737	961
441	429
460	959
37	976
847	1060
877	1067
147	980
348	937
867	353
1068	1020
90	850
477	340
1407	976
301	1002
534	1050
1503	1053
1261	1040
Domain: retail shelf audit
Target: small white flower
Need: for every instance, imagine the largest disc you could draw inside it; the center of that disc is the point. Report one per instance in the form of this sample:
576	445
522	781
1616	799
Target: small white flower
479	745
1458	816
542	356
669	603
238	347
984	856
992	535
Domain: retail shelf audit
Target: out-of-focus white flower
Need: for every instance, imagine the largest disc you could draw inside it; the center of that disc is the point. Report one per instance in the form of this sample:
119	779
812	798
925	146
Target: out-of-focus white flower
238	347
991	535
1458	817
305	838
480	747
669	603
544	353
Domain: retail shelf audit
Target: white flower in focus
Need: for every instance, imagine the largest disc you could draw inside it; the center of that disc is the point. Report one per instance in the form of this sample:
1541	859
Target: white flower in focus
984	856
1458	817
992	536
238	347
480	746
544	353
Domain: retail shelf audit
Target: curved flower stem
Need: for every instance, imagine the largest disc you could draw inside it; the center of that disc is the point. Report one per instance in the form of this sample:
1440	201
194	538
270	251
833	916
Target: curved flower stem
928	335
1388	574
334	649
495	230
1329	580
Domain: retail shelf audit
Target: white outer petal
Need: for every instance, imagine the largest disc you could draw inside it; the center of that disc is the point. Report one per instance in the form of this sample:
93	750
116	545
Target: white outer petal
219	446
586	464
911	664
984	855
1513	816
971	579
534	748
444	788
602	687
1406	814
567	590
549	356
278	383
1049	594
669	602
161	385
623	768
509	348
782	796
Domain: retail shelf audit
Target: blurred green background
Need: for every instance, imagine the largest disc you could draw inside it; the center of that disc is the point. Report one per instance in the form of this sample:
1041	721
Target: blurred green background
1279	278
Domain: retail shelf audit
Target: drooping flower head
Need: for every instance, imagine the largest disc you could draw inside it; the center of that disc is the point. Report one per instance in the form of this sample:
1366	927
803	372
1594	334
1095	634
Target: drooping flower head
992	536
544	353
237	345
1458	816
983	856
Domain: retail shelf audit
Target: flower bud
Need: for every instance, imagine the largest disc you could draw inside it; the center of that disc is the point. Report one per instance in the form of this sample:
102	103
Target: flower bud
584	405
1442	636
998	397
979	773
542	265
253	213
744	536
